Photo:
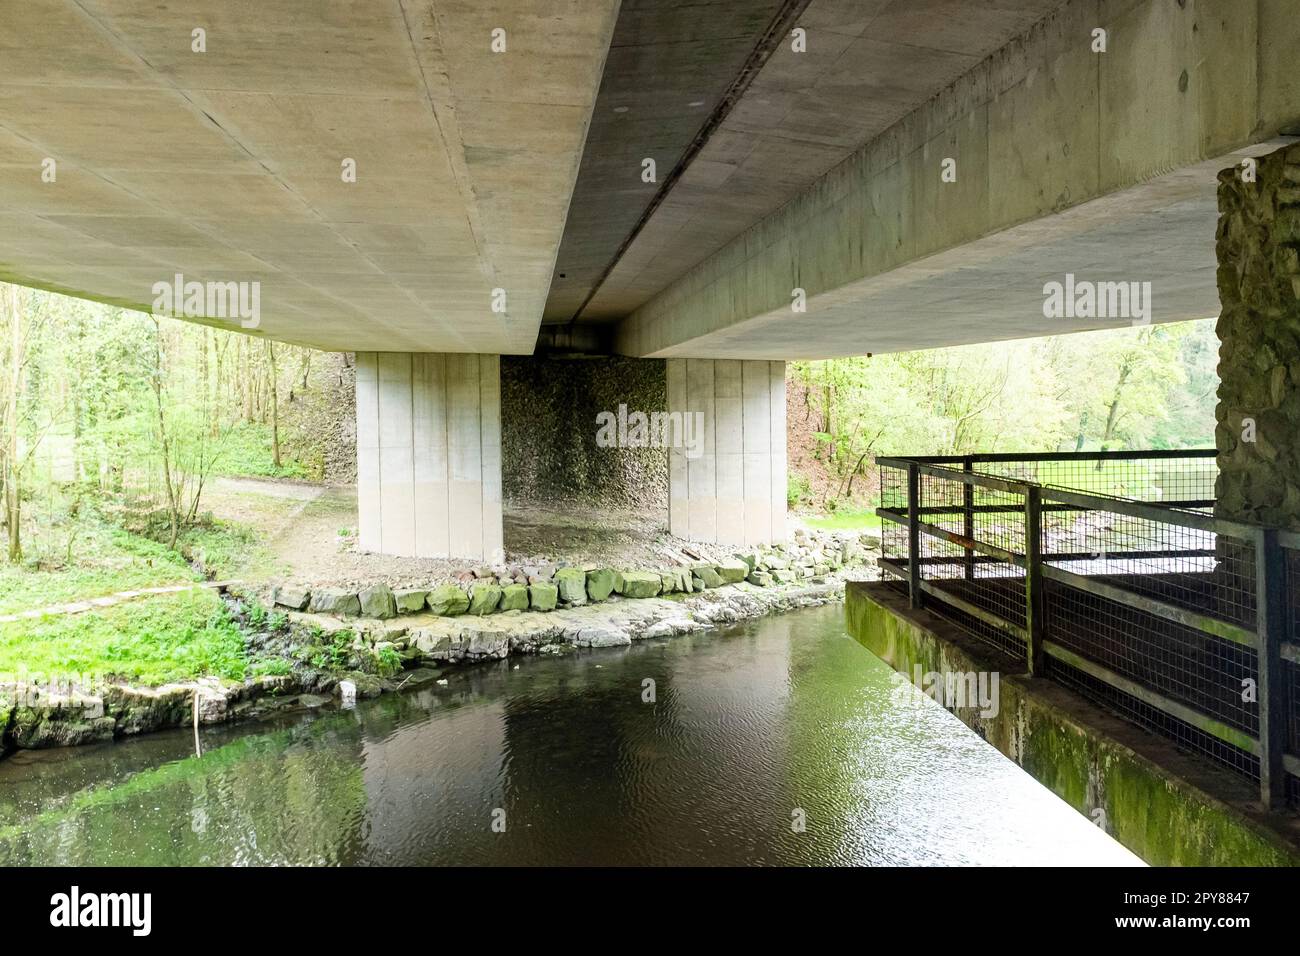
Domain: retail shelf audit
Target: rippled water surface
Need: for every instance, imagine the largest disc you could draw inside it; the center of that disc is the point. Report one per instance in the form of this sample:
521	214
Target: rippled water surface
749	726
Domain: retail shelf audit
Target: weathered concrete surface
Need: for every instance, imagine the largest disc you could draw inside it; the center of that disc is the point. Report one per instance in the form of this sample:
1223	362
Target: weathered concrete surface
866	65
1165	807
226	165
1258	431
727	484
1041	126
429	455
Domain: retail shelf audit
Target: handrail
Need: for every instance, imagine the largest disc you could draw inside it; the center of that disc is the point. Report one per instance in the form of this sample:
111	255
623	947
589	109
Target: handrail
1268	637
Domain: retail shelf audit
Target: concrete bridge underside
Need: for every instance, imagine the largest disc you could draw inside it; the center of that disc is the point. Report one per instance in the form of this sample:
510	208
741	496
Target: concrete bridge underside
501	201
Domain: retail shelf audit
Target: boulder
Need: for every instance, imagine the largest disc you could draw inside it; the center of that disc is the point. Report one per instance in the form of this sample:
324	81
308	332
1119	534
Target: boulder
640	584
761	578
139	710
543	596
732	570
572	583
377	602
484	598
330	601
708	575
667	582
514	597
293	596
448	600
602	635
410	600
600	584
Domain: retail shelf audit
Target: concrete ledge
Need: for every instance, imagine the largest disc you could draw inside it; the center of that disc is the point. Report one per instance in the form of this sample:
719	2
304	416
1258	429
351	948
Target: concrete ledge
1168	808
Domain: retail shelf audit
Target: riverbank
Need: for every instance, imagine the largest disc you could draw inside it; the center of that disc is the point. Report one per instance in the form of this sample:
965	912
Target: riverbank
311	660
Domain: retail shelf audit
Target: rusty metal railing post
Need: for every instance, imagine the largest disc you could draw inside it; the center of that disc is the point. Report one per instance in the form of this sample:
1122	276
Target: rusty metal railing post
914	534
968	517
1034	578
1270	623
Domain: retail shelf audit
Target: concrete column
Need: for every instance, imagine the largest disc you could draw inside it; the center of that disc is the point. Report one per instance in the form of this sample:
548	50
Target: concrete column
1258	432
429	454
730	488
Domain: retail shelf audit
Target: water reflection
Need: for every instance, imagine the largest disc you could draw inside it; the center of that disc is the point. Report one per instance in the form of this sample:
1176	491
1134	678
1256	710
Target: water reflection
749	727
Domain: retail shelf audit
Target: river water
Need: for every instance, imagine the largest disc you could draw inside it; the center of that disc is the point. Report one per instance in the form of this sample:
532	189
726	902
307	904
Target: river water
752	730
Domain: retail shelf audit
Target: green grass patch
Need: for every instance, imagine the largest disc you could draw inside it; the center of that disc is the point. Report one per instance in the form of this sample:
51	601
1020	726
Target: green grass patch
246	452
149	641
107	559
847	520
225	549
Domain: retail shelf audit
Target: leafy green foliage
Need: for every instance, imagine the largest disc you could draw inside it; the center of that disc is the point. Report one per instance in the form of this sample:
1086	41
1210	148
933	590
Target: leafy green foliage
1126	388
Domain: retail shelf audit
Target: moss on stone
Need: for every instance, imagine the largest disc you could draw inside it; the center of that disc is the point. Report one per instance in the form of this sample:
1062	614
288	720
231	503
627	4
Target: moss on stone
448	600
514	597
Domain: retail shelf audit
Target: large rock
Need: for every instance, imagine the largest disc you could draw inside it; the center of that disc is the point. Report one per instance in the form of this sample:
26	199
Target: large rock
293	596
140	710
600	584
640	584
572	583
708	575
410	601
602	635
377	602
514	597
330	601
761	578
732	570
484	598
447	600
543	596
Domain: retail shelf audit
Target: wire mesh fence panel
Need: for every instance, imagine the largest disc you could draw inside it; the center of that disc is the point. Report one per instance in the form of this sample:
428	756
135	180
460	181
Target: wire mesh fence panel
1137	711
1183	480
1159	605
1205	672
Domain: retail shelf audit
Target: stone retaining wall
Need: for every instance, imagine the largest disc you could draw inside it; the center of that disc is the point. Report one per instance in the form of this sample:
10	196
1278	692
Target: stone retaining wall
1259	328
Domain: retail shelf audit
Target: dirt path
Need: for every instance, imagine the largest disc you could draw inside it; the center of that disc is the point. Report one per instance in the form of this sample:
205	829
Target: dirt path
311	531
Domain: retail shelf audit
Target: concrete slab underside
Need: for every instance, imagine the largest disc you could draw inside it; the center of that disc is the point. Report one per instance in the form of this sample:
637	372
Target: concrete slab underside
1164	806
227	164
1041	127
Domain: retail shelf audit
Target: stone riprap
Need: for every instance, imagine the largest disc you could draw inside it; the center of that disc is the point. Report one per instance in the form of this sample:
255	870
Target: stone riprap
408	634
808	557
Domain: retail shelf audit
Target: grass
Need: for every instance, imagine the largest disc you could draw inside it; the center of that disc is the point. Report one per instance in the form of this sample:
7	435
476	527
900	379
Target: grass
108	559
149	641
851	520
246	453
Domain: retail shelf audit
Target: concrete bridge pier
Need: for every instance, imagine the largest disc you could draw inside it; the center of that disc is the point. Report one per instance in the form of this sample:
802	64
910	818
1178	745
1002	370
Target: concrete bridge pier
1259	332
731	487
429	454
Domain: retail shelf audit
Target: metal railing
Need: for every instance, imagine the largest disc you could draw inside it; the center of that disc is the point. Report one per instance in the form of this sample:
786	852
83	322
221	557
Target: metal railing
1105	572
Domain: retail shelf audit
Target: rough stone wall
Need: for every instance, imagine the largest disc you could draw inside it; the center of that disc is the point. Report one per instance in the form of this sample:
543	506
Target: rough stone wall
1259	328
318	423
548	430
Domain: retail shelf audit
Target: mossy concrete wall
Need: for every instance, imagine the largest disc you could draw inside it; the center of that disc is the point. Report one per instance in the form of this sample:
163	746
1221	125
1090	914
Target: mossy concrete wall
548	431
1164	806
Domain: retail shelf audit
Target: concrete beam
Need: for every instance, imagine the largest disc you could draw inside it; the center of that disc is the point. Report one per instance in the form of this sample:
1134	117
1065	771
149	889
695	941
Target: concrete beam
1044	128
